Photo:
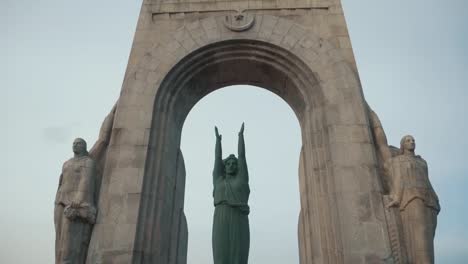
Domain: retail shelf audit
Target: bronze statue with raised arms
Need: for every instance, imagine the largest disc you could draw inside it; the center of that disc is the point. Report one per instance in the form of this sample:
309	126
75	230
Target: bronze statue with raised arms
231	234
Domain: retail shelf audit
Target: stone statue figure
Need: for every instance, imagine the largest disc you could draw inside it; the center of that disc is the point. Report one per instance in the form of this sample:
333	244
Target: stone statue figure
410	191
231	234
76	199
75	208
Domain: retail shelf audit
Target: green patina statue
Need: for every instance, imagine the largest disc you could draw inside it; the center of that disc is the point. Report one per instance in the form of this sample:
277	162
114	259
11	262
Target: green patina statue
231	234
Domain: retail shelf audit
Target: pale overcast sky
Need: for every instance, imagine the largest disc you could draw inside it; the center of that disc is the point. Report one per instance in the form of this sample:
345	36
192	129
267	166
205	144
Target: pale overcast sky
62	68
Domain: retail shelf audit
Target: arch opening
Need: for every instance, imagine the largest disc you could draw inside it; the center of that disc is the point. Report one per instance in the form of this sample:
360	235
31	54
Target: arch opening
230	62
273	144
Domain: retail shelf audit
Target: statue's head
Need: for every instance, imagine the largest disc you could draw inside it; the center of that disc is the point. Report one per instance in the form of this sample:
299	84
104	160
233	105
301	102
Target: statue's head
79	146
407	144
230	165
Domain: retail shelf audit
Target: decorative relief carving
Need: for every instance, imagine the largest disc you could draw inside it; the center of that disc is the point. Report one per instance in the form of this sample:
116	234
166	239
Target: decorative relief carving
240	21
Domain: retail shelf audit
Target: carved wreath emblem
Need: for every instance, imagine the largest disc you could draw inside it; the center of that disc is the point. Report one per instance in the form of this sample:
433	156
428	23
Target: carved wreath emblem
239	21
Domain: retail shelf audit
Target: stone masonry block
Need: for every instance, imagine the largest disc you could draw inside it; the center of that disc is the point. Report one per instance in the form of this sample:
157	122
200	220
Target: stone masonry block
209	23
282	26
132	157
127	136
349	133
132	204
309	56
126	180
132	117
351	154
297	32
121	234
345	179
376	242
114	208
269	23
255	4
276	39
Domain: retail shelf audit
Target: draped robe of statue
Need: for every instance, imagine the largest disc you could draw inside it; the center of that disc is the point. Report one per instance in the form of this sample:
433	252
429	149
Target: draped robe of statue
79	183
73	225
231	235
418	204
411	191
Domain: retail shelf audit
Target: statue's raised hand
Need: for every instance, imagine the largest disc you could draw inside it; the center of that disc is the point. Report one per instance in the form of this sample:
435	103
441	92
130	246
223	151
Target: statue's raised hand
218	136
241	132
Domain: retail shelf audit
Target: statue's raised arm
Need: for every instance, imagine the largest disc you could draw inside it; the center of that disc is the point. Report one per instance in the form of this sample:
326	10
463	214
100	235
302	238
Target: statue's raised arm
379	136
243	171
391	179
218	170
98	149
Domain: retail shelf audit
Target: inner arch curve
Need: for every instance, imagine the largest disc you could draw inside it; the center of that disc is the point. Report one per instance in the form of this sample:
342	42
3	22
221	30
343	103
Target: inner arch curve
234	62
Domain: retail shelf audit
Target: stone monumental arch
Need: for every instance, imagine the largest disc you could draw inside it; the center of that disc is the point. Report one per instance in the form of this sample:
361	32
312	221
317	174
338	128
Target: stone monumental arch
298	49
